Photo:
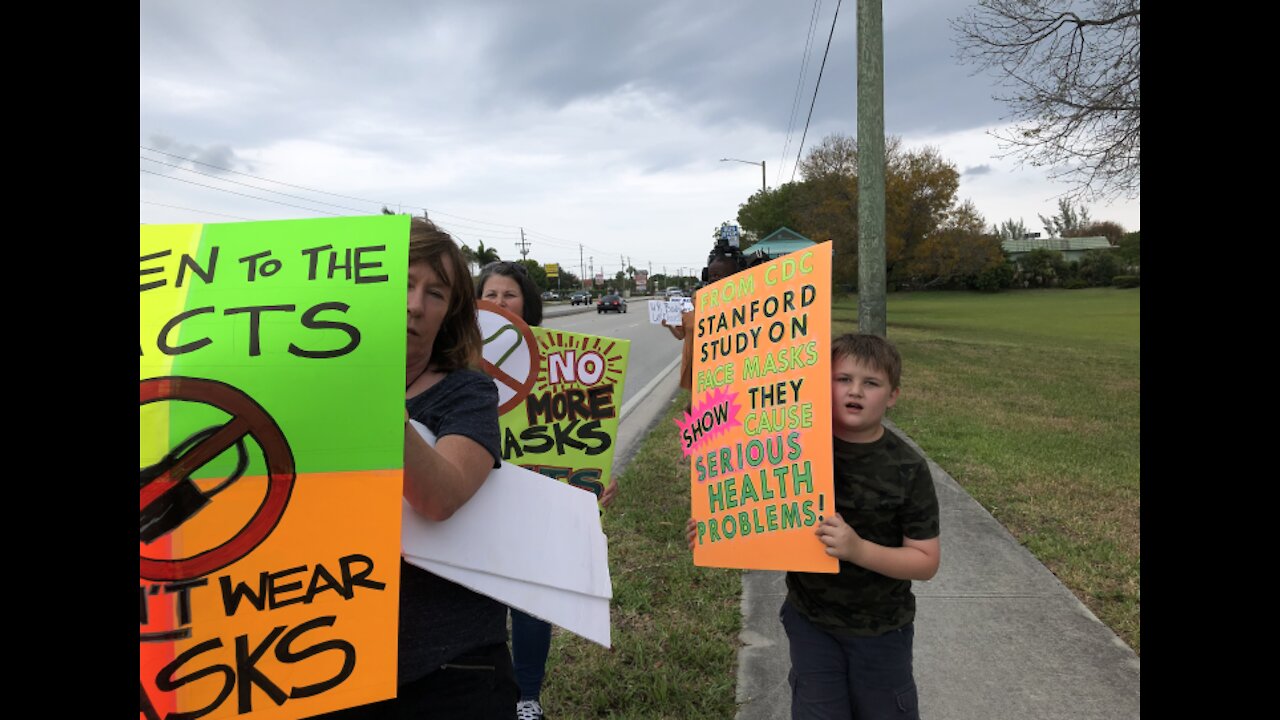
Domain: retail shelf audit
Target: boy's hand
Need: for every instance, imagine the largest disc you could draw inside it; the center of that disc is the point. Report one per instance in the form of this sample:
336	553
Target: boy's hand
691	532
841	539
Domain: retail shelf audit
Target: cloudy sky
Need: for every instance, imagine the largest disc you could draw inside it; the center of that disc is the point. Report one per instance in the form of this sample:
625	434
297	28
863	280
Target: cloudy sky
595	126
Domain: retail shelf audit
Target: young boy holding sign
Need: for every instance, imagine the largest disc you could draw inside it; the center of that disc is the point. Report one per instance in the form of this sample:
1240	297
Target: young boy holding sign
851	633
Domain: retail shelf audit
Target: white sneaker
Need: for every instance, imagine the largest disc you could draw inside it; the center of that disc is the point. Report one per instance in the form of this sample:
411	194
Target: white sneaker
528	710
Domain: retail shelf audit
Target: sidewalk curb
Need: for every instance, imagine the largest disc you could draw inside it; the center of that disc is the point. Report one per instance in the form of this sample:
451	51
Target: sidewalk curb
643	410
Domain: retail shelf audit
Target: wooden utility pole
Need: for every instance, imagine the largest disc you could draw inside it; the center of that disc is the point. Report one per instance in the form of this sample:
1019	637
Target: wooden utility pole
871	255
523	245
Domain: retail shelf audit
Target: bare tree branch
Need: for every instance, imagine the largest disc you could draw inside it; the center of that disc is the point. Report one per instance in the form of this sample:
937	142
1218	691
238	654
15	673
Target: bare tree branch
1073	81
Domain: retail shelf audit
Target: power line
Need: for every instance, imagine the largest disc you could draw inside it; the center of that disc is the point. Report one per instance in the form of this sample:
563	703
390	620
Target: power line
454	228
233	192
566	244
552	238
815	90
795	101
472	228
383	203
206	212
255	187
278	182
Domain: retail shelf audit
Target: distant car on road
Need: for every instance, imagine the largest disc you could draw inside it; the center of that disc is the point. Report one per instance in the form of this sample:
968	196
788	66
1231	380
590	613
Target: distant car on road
550	295
611	303
674	293
580	298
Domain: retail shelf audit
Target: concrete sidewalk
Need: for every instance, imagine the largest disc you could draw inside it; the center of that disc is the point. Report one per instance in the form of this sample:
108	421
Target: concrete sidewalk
998	637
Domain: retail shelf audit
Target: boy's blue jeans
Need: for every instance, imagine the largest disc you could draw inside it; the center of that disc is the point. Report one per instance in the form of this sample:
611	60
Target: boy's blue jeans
530	645
836	676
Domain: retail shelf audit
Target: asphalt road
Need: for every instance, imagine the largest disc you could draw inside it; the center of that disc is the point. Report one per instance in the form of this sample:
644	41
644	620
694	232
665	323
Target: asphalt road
652	346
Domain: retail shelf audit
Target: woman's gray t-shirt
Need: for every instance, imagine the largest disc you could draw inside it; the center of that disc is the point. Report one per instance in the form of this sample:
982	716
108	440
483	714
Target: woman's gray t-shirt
439	619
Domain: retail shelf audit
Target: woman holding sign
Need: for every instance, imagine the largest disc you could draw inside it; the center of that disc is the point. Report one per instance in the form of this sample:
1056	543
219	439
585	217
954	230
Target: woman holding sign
508	285
453	655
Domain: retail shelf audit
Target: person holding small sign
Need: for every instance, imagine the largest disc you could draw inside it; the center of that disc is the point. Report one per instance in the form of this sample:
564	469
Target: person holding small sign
724	260
851	633
508	285
453	655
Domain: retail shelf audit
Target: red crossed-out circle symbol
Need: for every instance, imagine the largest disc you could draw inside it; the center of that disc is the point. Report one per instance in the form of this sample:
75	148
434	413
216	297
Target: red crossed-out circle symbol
247	418
511	355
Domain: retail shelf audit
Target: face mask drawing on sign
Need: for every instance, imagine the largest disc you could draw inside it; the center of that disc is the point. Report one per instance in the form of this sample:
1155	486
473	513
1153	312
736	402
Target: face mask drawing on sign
181	502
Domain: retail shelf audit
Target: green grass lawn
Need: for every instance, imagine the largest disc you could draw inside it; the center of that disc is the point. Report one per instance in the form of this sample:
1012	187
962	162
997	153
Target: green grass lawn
1029	399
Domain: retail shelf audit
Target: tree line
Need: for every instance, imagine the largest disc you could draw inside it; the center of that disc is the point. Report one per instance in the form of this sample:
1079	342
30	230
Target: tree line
932	239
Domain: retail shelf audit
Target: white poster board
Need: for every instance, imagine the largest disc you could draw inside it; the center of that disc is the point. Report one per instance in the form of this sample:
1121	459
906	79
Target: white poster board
657	311
586	616
526	540
668	310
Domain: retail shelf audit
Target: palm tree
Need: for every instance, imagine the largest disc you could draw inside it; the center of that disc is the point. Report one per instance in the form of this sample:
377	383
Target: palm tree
484	255
468	254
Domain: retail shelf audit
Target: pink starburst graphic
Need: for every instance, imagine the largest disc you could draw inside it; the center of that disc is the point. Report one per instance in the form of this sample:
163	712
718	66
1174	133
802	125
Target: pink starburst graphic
714	416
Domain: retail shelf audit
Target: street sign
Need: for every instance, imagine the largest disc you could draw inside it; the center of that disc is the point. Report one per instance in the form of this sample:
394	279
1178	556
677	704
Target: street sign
553	270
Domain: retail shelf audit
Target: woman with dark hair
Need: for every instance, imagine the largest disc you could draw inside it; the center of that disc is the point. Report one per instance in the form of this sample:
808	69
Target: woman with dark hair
508	285
453	655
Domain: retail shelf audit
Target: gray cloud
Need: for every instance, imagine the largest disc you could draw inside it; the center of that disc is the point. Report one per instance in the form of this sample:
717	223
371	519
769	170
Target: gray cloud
304	64
214	159
492	108
977	170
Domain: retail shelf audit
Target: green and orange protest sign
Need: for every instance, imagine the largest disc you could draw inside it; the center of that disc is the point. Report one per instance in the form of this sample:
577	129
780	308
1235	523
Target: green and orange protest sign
759	432
271	362
559	395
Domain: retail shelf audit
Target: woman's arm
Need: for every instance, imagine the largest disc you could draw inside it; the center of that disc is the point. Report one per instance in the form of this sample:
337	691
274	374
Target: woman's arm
676	330
439	480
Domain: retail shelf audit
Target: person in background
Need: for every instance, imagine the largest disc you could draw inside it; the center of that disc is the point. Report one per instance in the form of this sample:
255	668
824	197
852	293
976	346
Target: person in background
508	285
723	261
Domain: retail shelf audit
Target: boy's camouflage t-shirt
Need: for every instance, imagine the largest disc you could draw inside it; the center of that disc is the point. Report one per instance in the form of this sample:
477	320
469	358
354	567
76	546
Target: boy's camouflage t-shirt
884	490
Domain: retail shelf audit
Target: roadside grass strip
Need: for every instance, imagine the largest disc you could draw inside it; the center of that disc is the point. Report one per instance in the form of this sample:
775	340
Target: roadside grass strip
1031	401
675	626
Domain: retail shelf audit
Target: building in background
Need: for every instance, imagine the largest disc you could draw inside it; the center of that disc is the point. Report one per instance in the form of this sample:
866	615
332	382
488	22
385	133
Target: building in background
780	242
1072	248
